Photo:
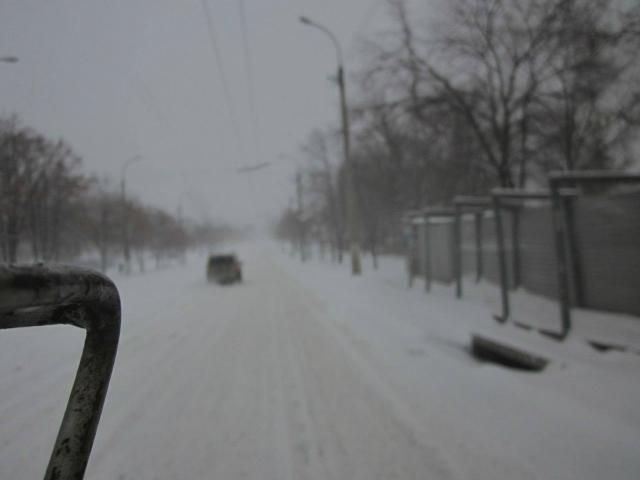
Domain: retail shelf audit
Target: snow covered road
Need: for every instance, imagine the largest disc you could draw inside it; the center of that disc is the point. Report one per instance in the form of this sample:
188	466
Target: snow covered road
282	378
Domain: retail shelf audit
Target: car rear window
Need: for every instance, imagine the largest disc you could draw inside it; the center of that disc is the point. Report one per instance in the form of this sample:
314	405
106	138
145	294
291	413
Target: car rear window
222	260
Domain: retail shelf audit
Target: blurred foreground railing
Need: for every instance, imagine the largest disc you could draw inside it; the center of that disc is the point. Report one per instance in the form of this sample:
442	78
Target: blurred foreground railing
35	296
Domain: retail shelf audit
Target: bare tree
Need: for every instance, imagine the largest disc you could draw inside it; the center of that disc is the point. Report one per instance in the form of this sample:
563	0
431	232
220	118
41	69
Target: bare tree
500	93
49	205
56	188
100	219
325	190
18	163
505	66
590	107
489	63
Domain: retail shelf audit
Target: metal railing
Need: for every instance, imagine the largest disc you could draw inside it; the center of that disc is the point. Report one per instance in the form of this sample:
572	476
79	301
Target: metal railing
564	231
35	296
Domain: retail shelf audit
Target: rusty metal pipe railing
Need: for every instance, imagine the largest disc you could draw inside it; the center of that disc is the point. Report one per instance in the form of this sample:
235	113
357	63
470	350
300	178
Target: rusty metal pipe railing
36	296
503	197
563	228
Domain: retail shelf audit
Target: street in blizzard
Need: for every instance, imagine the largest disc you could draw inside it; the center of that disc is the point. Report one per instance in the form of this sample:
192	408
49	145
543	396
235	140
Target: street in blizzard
365	240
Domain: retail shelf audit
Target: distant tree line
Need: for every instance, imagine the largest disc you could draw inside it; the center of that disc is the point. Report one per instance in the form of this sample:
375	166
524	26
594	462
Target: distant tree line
497	93
51	211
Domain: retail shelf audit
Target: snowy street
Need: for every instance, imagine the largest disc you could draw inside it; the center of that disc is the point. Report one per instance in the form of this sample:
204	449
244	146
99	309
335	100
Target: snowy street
303	372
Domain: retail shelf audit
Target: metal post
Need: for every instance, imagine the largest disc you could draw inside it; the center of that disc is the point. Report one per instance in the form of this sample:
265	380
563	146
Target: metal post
502	263
352	215
479	242
38	296
457	260
301	233
125	226
515	246
564	230
410	246
573	251
558	218
421	250
427	254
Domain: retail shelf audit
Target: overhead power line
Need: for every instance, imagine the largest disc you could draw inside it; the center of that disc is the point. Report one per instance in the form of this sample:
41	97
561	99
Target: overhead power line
221	71
250	79
253	168
225	88
371	11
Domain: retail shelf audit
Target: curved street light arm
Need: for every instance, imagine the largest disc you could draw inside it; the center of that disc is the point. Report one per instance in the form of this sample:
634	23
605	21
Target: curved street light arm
128	163
330	34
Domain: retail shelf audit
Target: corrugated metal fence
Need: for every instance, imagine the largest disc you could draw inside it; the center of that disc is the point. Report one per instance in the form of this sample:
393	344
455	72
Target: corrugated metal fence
608	248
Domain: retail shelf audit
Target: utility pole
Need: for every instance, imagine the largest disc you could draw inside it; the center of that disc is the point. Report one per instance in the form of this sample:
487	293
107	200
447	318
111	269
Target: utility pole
300	215
125	213
350	194
352	215
183	237
124	226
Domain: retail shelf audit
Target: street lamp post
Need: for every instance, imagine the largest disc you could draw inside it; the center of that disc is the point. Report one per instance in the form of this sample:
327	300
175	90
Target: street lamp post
299	207
352	214
300	214
125	212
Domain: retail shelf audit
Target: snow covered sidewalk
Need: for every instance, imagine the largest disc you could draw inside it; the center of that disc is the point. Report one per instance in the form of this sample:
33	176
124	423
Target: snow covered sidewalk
578	419
620	331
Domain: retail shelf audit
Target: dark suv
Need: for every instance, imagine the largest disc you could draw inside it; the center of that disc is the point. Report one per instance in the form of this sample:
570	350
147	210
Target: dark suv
224	269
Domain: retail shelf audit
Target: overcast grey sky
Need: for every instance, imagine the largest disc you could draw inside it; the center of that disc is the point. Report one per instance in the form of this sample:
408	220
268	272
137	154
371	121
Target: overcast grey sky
129	77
